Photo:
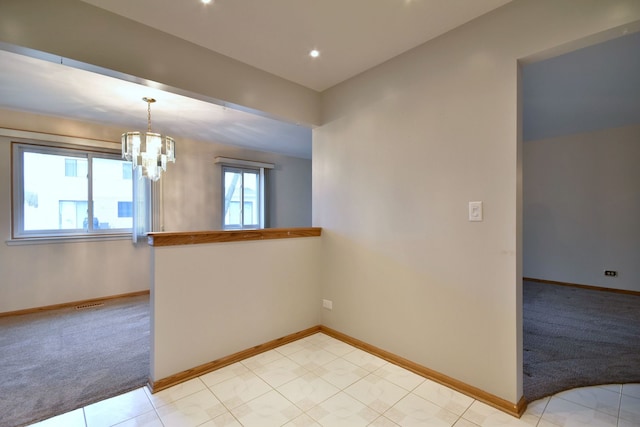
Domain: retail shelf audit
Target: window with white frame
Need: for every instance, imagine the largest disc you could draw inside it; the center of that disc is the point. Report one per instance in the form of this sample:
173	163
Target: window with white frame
243	193
242	202
62	192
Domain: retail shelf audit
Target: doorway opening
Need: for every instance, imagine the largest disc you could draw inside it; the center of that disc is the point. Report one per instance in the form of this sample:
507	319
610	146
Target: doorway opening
581	215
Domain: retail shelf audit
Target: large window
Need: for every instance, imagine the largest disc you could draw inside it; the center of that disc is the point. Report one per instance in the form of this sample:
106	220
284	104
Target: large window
63	192
242	204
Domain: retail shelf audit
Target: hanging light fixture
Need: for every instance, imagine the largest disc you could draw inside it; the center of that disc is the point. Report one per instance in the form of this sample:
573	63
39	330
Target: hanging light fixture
150	150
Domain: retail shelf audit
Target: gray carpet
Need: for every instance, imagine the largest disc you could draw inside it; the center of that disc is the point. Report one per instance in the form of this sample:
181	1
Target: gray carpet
56	361
578	337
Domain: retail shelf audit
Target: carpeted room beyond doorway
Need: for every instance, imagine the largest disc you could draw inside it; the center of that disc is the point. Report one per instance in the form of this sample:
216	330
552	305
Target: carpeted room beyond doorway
55	361
575	337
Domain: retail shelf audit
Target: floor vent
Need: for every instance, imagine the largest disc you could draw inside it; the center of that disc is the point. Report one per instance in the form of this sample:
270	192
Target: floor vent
90	305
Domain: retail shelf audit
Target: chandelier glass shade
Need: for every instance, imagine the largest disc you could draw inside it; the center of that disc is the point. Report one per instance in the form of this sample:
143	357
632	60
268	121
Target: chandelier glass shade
150	150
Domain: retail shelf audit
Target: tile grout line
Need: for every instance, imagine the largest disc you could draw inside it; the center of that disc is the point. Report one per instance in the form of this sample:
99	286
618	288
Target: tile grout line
588	407
619	404
155	409
543	411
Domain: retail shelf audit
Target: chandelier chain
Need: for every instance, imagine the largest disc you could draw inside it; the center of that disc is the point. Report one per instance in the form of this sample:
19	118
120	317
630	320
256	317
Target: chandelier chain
148	117
149	101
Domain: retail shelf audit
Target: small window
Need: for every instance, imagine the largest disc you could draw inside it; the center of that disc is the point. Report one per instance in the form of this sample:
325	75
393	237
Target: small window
125	210
62	192
242	201
75	168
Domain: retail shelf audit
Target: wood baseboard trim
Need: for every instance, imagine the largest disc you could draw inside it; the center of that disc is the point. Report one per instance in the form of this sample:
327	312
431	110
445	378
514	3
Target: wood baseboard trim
161	384
72	304
589	287
514	409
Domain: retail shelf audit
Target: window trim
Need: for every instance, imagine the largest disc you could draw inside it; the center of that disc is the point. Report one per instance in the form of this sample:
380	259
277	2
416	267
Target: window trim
260	196
67	239
249	164
60	146
262	167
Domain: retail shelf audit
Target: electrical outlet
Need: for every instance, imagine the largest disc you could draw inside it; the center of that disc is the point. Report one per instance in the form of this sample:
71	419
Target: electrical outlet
611	273
328	304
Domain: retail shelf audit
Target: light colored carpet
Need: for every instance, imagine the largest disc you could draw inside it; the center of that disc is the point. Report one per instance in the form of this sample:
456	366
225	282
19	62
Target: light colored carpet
56	361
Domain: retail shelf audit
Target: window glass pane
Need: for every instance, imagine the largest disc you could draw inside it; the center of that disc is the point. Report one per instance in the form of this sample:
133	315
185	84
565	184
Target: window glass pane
70	167
73	214
233	215
52	192
110	188
232	199
251	199
127	170
46	186
248	213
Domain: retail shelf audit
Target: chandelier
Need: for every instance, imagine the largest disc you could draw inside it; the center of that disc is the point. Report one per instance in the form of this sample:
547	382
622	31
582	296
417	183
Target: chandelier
150	150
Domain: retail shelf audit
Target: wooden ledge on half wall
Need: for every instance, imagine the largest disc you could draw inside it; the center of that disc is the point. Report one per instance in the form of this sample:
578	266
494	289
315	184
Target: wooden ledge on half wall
223	236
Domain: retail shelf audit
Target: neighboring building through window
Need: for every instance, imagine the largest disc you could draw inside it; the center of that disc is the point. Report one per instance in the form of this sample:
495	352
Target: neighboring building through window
73	214
125	210
75	167
62	192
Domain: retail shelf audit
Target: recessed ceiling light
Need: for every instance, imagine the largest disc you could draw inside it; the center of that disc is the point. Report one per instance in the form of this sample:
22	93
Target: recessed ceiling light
314	53
206	1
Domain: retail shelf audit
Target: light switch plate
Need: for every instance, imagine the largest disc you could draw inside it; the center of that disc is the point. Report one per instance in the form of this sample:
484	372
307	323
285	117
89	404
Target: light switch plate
475	211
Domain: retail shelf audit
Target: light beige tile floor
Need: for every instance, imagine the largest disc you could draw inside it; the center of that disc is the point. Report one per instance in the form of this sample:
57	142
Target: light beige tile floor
320	381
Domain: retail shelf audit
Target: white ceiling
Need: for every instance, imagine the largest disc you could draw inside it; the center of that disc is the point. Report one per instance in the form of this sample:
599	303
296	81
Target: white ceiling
593	88
277	35
44	87
273	35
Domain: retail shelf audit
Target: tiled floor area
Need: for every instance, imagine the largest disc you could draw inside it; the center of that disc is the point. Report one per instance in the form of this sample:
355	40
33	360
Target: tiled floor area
320	381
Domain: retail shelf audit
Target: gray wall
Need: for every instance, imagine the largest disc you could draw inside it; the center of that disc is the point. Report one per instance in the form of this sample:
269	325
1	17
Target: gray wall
193	185
582	208
581	120
404	148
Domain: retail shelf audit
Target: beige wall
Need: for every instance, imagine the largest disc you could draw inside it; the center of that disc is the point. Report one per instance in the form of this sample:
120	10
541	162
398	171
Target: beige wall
403	149
36	275
582	208
213	300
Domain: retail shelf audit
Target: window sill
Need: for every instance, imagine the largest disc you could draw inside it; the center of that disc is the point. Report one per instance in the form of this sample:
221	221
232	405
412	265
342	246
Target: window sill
66	239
